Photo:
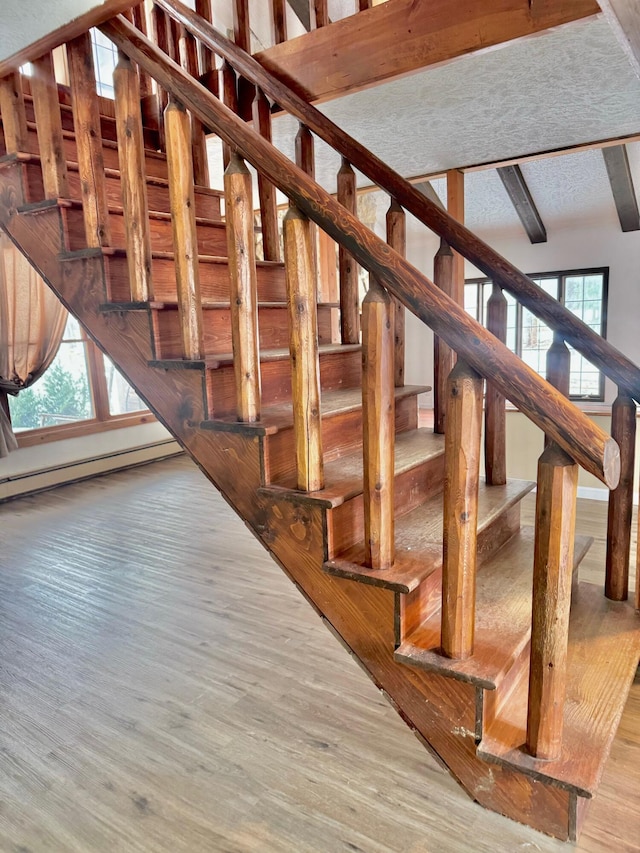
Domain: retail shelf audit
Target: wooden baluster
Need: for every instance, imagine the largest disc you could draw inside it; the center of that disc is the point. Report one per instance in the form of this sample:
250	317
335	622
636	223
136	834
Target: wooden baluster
198	136
462	470
207	57
229	87
242	37
397	239
86	121
133	179
14	119
140	21
266	190
349	309
558	368
279	16
378	407
321	13
244	288
174	32
623	430
303	346
455	207
495	432
552	571
364	4
305	160
46	108
185	237
444	358
160	34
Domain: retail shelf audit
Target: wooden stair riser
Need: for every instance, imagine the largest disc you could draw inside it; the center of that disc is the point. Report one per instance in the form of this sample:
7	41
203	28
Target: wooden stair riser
345	523
212	238
341	434
337	370
422	603
214	280
272	326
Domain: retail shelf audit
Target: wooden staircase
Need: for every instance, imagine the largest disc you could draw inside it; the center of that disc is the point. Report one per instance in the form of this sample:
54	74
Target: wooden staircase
347	493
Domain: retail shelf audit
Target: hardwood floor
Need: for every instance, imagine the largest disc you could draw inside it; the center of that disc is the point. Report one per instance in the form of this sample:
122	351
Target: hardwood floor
163	687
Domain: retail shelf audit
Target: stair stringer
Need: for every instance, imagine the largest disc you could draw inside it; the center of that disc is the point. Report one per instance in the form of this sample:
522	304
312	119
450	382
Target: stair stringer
440	710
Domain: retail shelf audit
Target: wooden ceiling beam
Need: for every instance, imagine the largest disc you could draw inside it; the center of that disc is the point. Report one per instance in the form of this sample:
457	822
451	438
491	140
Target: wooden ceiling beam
624	19
400	37
621	180
522	200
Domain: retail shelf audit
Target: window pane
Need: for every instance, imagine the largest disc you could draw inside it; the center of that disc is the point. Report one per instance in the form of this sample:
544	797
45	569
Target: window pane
122	397
471	299
536	340
60	396
72	330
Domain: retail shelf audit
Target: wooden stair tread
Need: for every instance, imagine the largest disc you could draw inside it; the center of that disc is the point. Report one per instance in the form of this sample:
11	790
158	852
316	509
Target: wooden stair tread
603	654
419	540
503	617
225	306
106	143
280	415
162	215
212	362
118	252
343	476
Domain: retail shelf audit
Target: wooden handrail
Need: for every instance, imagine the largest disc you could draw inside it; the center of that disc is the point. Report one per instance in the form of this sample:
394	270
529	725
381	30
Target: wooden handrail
598	351
574	432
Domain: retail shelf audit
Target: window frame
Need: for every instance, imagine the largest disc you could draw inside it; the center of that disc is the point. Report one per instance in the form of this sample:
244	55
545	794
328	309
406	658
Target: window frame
561	276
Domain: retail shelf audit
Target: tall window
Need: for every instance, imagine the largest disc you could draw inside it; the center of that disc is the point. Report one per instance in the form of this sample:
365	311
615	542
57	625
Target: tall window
105	59
583	292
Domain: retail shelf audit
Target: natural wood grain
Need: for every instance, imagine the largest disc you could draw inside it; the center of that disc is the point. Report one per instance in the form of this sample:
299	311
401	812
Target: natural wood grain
266	190
229	86
14	120
614	364
207	57
623	430
404	36
160	36
305	160
132	179
320	13
364	4
348	268
552	570
378	426
198	136
559	364
455	209
495	418
244	288
185	240
462	470
444	357
589	445
140	21
279	17
396	222
86	120
49	125
241	27
303	346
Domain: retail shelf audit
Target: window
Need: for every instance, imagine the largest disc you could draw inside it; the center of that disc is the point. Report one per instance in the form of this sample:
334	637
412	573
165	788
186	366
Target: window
105	59
583	292
81	392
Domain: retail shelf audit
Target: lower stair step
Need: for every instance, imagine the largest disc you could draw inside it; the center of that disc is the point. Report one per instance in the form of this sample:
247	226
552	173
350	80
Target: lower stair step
418	536
603	654
503	617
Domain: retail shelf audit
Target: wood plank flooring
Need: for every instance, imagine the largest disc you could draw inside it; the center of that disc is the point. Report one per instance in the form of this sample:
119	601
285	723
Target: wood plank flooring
163	687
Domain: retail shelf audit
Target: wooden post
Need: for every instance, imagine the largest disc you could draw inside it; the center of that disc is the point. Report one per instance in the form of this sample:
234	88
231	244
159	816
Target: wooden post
266	190
46	107
349	308
303	346
279	16
552	571
444	358
305	160
244	288
198	136
623	430
455	207
140	21
397	239
160	35
321	13
14	119
133	179
363	4
495	447
558	368
207	58
88	134
242	37
462	471
185	237
378	407
229	86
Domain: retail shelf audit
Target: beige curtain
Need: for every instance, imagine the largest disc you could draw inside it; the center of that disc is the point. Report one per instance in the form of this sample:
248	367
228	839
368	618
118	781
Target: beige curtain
32	322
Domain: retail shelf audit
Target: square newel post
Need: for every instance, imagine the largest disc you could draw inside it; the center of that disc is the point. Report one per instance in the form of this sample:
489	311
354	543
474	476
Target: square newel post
462	472
303	346
378	416
552	571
